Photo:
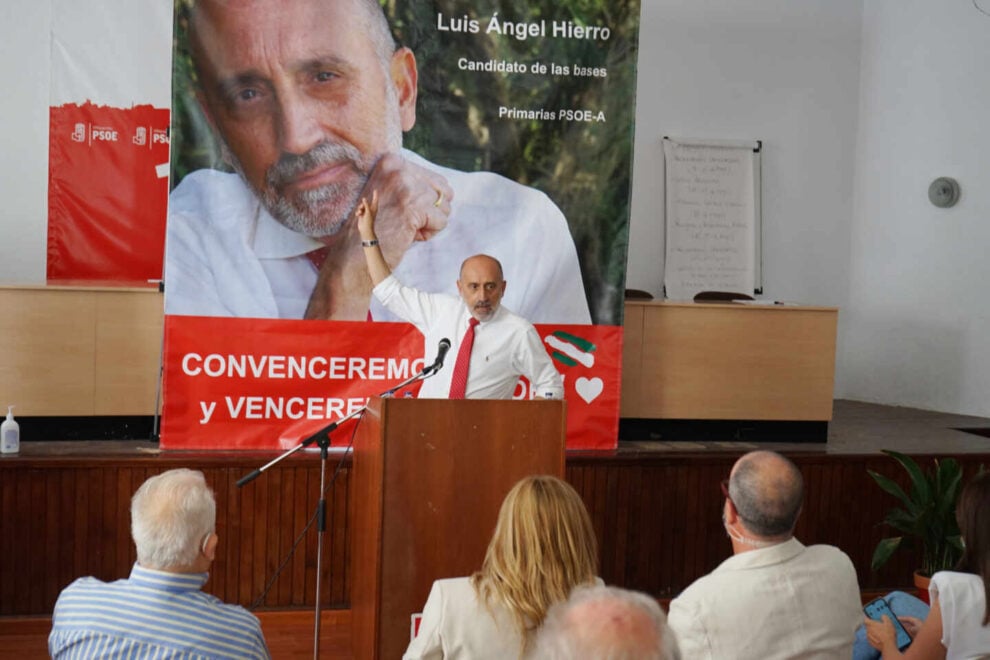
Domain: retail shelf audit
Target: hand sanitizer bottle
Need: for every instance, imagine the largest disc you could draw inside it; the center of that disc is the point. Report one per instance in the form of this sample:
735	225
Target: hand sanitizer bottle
10	434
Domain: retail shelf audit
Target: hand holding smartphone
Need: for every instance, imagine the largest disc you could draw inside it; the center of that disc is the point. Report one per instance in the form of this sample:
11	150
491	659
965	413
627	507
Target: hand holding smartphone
879	607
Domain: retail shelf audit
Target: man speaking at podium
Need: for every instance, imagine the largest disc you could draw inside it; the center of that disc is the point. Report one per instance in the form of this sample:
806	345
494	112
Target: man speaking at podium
493	346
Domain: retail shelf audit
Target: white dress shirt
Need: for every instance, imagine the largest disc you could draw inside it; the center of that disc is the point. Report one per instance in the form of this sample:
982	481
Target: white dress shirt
226	256
784	601
506	346
962	599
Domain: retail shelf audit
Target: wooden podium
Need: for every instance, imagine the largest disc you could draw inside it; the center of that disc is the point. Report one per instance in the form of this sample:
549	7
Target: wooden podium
428	479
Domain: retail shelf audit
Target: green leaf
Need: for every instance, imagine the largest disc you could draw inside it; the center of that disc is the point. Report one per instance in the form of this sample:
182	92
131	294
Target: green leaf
884	549
919	482
948	481
891	487
905	522
928	513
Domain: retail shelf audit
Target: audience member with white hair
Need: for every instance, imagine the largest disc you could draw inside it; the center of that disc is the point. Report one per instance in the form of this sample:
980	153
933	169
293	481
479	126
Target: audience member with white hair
606	623
160	610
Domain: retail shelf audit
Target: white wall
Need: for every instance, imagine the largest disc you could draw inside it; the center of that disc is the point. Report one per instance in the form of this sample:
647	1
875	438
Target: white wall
861	104
916	329
25	58
782	71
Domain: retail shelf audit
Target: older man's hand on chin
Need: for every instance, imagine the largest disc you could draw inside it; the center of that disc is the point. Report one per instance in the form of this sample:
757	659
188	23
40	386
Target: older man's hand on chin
413	205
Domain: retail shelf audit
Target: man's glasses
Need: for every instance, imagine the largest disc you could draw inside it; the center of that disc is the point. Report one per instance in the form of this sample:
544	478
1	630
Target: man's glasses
725	488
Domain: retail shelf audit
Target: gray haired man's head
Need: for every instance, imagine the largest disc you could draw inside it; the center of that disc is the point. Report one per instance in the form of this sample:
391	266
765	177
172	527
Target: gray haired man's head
766	490
172	515
606	623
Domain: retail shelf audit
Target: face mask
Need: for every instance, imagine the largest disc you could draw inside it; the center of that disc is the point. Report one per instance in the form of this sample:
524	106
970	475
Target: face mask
739	538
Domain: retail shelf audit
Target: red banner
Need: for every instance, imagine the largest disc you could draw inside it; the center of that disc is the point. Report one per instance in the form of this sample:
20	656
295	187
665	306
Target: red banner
108	191
267	384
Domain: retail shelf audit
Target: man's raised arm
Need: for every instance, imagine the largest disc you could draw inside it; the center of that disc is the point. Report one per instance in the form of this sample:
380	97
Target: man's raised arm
365	214
413	205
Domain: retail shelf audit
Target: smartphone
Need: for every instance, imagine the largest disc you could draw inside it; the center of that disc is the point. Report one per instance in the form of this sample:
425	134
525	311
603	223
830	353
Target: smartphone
875	609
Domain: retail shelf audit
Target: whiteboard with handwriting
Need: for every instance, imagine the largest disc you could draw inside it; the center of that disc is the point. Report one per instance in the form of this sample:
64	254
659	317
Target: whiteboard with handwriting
712	217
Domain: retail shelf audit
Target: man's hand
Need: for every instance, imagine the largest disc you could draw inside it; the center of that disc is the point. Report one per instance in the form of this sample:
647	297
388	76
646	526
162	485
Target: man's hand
413	205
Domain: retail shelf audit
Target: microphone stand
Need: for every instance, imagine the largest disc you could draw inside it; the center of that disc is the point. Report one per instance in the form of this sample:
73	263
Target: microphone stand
322	438
422	375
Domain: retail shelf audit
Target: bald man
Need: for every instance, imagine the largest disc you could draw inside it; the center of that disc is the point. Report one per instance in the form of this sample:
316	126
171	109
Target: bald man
774	598
495	345
606	622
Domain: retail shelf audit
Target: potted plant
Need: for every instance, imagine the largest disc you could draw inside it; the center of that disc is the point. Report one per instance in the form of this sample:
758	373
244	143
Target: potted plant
926	517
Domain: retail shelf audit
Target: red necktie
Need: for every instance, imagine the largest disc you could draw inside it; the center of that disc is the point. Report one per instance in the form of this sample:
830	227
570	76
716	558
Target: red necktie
458	382
318	256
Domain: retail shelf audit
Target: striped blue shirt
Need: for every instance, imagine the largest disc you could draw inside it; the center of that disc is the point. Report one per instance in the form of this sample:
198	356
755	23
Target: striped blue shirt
152	614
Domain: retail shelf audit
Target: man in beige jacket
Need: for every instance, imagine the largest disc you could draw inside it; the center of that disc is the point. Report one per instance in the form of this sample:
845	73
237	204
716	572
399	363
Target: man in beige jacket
774	598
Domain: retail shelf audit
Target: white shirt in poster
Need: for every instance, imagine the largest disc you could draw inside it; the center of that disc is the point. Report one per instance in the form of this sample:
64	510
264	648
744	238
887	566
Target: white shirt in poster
226	256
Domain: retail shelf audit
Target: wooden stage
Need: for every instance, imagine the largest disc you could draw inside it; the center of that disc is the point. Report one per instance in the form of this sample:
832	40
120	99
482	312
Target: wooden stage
655	505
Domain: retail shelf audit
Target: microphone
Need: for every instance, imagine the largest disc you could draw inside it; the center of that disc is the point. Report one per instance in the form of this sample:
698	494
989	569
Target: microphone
441	354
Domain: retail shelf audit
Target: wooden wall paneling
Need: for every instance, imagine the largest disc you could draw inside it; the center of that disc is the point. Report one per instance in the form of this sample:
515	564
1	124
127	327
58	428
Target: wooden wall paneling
630	399
600	499
61	522
709	531
679	500
276	522
339	591
11	532
8	548
108	507
224	574
46	367
63	482
644	520
616	551
722	361
25	556
80	351
854	492
47	534
252	539
657	518
295	574
76	516
309	544
129	326
812	493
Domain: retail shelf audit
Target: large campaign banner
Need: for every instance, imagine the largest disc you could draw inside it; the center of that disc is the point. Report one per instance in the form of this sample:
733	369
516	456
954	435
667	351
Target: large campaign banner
487	127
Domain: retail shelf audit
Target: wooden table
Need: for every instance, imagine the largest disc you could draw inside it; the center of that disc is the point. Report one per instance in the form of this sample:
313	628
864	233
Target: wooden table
728	361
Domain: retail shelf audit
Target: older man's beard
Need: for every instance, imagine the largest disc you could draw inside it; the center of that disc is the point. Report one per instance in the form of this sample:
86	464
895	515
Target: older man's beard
320	211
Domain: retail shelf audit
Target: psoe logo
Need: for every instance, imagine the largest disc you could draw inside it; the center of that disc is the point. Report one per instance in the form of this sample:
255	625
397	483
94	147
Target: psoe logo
140	137
103	134
79	132
159	136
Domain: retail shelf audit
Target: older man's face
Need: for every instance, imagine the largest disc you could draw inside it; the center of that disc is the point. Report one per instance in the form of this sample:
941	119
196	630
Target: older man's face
481	286
302	101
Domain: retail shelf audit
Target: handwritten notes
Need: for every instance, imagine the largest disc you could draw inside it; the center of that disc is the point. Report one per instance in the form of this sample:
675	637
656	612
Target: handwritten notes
711	218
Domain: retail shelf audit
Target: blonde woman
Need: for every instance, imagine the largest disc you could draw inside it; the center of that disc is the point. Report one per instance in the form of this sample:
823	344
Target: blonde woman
543	547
